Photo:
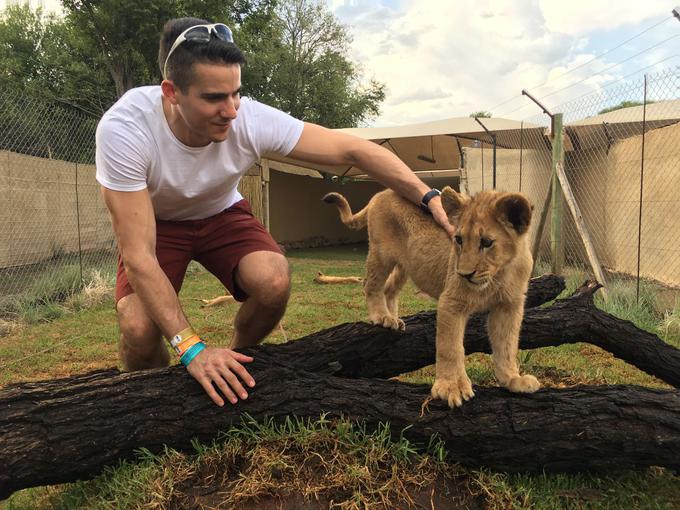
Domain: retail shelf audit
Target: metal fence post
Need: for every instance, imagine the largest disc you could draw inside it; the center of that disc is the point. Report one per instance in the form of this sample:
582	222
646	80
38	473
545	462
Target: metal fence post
642	175
80	246
556	239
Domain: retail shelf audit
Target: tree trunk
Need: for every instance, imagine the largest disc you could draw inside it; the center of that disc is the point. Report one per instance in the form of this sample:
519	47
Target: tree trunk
68	429
362	350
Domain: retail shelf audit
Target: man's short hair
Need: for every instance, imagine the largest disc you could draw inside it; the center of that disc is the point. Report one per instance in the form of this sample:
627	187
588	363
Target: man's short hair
180	65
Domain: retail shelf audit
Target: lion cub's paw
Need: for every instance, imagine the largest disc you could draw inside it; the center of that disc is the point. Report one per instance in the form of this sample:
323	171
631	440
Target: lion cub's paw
454	391
387	321
523	384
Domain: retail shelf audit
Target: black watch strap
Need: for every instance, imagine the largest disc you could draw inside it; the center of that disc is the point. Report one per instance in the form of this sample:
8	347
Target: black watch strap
434	192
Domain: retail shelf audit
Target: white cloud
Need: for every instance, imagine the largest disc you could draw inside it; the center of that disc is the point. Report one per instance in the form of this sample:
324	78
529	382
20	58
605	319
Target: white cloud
583	16
443	58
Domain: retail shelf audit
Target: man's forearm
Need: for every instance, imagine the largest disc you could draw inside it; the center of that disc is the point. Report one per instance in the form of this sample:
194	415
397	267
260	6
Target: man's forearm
390	171
157	294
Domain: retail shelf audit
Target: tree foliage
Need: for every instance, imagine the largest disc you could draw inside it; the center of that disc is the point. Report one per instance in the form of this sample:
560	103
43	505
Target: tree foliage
481	115
297	53
623	104
307	71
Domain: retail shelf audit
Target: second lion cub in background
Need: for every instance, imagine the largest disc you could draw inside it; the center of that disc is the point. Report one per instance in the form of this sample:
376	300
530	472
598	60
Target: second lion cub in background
487	268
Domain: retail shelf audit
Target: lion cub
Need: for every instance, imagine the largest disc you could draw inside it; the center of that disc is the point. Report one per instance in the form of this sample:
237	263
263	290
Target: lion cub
486	268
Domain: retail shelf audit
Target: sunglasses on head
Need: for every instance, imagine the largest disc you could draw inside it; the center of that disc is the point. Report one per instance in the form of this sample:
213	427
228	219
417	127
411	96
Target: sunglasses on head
199	34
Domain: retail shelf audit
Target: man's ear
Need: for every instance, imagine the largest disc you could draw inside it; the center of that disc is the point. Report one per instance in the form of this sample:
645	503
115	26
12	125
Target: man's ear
514	210
453	203
169	91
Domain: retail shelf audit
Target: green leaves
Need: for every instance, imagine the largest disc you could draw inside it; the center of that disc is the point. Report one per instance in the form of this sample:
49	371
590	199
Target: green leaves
296	49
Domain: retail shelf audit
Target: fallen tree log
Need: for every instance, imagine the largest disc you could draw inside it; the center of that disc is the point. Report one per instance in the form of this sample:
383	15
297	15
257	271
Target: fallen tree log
359	349
69	429
363	350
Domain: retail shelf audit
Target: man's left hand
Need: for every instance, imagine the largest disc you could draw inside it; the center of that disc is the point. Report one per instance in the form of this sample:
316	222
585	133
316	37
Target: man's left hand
435	206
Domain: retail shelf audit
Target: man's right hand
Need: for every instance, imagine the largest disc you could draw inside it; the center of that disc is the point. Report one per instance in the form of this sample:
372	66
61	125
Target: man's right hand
223	368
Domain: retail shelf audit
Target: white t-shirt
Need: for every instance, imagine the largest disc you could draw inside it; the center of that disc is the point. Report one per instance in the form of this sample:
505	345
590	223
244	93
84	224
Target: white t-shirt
136	150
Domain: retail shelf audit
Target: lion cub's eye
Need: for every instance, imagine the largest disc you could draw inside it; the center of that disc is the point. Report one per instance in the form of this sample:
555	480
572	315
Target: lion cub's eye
485	243
459	240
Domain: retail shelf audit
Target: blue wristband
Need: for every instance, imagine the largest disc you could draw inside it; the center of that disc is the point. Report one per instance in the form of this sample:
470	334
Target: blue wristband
193	351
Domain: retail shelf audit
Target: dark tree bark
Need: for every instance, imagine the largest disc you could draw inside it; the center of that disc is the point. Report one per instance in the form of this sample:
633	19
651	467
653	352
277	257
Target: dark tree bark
68	429
359	349
363	350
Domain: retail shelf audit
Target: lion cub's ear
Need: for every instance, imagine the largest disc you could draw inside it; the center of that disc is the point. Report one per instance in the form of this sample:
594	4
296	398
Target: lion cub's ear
514	210
453	202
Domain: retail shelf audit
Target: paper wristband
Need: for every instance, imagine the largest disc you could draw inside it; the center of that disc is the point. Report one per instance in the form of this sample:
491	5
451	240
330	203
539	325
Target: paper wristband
192	353
180	338
182	348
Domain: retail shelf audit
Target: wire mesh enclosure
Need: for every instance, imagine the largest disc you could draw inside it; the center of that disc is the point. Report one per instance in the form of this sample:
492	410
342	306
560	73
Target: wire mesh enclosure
620	155
621	158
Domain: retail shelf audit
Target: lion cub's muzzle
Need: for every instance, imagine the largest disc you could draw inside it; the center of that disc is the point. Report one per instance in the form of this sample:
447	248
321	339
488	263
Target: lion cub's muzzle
476	279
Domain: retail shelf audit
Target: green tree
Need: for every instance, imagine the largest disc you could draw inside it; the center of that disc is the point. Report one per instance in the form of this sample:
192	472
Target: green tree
47	56
481	114
40	98
299	63
297	53
125	35
623	104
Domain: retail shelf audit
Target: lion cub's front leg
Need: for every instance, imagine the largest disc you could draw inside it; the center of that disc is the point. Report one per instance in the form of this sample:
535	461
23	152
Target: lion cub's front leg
451	381
377	273
504	326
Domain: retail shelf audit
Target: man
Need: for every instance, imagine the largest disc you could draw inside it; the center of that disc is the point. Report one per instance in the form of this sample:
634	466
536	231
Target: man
169	159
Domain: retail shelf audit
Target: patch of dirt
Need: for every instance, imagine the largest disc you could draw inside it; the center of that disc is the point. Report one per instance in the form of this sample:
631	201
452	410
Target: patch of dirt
444	493
317	472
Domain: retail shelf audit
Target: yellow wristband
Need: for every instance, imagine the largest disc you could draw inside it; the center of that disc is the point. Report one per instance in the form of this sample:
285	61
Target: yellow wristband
181	337
183	347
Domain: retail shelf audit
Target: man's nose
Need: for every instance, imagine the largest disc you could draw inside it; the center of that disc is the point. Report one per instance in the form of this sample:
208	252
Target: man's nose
229	110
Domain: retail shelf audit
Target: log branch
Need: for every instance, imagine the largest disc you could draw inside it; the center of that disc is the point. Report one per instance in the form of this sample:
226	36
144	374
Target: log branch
363	350
68	429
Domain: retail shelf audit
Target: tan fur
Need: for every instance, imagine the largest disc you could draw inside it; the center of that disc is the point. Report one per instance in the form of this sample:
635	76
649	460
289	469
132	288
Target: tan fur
322	278
465	277
219	300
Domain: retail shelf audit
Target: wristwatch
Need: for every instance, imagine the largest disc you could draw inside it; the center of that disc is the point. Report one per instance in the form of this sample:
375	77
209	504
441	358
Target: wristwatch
434	192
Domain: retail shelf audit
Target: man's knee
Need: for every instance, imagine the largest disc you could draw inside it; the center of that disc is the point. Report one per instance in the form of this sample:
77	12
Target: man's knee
141	344
134	323
269	281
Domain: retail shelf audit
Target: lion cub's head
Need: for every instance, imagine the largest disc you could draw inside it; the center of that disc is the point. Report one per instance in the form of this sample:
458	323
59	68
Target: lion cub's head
491	232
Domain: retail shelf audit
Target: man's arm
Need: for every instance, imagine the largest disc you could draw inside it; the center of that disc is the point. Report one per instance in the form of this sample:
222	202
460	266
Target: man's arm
324	146
135	227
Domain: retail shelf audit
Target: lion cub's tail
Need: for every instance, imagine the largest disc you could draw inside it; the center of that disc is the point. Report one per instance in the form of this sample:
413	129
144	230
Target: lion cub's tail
353	221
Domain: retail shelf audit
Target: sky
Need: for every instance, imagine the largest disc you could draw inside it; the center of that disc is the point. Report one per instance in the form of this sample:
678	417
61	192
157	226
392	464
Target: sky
449	58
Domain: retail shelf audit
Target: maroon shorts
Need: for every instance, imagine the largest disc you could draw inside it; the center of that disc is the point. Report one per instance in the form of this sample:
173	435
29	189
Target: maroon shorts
218	243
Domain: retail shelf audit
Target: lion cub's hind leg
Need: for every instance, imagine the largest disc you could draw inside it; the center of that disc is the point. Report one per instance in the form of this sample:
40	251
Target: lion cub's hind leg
504	326
395	283
377	272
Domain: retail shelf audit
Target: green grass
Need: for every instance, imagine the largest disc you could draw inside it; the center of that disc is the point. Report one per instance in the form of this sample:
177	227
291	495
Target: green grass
85	339
343	461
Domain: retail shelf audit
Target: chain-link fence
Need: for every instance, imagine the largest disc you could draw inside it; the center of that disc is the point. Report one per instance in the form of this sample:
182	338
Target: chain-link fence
621	170
621	160
55	229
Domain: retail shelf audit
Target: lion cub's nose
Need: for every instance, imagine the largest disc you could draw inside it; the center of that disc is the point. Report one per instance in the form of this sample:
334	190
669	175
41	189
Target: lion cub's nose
467	276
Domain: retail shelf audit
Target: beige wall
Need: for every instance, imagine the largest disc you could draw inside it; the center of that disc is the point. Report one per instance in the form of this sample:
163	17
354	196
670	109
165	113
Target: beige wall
39	217
298	216
606	184
534	180
617	177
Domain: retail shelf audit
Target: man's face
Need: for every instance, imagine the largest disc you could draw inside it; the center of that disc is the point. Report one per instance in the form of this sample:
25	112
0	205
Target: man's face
209	105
